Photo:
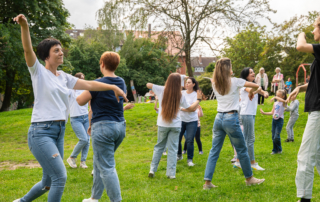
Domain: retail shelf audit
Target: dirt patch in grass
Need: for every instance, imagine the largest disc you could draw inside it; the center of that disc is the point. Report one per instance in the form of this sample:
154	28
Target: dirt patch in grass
8	165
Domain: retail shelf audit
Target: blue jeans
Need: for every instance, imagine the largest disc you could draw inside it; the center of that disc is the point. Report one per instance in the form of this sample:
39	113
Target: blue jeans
191	129
169	137
106	138
248	133
45	141
80	125
276	130
227	124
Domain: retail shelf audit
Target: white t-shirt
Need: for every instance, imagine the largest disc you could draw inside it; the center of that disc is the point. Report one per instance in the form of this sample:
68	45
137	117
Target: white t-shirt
182	79
248	107
75	108
230	101
189	116
176	122
51	93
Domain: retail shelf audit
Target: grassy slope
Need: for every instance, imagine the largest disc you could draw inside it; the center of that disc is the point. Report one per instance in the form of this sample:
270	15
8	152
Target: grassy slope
135	154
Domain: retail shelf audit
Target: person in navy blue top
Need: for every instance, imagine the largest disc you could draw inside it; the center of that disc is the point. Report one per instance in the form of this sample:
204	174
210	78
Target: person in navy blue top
108	129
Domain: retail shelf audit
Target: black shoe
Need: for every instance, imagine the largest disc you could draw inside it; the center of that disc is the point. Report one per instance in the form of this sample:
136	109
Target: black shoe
292	140
287	140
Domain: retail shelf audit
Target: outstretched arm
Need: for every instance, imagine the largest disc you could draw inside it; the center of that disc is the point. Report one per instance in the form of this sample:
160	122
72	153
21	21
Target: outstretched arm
267	113
29	54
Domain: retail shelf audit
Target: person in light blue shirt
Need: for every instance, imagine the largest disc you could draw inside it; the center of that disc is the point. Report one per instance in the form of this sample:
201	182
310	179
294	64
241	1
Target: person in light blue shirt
288	85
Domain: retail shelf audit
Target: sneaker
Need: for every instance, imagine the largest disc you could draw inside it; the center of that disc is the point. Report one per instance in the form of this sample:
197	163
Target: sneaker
256	167
210	186
254	181
233	160
279	152
184	152
164	153
89	200
72	162
200	152
287	140
190	163
272	153
17	200
172	177
237	165
83	165
92	172
292	140
179	157
151	174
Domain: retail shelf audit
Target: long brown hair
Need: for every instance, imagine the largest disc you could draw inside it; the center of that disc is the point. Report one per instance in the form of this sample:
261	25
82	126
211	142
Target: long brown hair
221	76
170	104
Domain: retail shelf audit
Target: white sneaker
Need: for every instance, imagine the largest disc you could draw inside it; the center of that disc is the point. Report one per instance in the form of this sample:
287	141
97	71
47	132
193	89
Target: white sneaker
92	172
151	174
172	177
190	163
237	165
254	181
17	200
83	165
72	162
256	167
179	157
89	200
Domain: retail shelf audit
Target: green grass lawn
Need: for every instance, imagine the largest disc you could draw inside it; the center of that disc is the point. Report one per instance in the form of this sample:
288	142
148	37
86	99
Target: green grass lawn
134	156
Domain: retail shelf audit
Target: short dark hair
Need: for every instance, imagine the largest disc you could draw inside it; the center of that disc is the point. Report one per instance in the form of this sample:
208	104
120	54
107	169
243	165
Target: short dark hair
43	48
79	74
194	81
245	73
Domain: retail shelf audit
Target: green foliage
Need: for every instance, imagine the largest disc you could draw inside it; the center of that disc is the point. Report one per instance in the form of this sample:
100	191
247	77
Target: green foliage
210	67
146	62
204	83
45	19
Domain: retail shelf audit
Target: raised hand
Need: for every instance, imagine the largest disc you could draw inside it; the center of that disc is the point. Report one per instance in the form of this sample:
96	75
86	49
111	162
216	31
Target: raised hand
21	20
293	94
199	94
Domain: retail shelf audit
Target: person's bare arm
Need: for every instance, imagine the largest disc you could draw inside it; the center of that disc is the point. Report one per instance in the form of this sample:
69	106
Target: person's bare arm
149	85
194	105
99	86
128	106
296	91
302	44
267	113
29	54
84	98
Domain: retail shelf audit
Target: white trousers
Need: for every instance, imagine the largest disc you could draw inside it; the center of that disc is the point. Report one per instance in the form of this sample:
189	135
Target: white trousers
308	156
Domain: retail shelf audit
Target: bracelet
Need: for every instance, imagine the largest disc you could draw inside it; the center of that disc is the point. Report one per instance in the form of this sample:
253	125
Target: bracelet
199	100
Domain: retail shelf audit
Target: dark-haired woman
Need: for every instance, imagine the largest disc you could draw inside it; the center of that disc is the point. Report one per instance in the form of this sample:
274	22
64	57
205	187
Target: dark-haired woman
189	120
226	88
49	115
80	124
247	115
169	121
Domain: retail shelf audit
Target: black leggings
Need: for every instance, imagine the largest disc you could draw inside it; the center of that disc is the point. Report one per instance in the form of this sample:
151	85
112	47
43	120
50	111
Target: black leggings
261	96
197	137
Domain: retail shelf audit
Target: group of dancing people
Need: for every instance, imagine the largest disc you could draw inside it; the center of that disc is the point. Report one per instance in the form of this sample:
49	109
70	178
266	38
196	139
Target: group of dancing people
177	113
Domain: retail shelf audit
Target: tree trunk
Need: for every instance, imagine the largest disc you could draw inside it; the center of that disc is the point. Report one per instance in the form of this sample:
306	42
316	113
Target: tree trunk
188	59
8	92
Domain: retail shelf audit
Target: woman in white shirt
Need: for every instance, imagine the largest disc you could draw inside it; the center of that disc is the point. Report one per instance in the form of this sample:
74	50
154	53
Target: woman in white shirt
169	122
247	115
80	124
262	80
189	120
226	89
51	93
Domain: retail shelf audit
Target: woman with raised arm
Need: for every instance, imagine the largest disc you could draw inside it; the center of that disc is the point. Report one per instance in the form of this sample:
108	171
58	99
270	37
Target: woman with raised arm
169	122
50	112
226	88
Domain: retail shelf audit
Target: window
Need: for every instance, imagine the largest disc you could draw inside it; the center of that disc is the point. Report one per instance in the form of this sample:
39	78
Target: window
198	69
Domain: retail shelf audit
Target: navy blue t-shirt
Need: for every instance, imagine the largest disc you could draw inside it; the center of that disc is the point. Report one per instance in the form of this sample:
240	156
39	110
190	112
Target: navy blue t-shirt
105	105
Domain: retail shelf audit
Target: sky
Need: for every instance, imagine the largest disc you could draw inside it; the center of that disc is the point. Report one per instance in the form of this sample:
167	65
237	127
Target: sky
83	12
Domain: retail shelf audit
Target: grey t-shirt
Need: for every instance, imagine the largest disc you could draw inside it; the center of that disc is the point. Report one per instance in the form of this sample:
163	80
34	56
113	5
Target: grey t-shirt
293	108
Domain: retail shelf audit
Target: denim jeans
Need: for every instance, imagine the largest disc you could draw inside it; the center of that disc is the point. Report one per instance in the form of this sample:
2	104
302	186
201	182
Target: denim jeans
227	124
290	124
248	133
191	129
80	125
276	130
198	140
169	137
45	141
308	156
106	138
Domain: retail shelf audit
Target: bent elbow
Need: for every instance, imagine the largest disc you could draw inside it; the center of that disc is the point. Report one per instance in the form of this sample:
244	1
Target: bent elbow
299	48
79	101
